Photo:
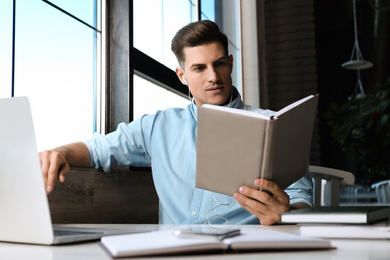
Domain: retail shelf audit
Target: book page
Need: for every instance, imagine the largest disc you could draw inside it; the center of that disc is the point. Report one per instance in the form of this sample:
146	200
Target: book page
237	111
295	104
165	242
157	243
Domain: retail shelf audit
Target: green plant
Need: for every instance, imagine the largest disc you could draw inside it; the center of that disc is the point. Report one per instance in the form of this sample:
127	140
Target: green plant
361	127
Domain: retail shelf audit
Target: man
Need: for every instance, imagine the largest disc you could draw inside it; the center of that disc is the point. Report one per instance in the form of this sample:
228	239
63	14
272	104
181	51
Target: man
166	141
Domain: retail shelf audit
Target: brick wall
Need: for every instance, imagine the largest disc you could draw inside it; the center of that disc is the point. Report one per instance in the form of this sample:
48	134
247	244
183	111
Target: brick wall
290	56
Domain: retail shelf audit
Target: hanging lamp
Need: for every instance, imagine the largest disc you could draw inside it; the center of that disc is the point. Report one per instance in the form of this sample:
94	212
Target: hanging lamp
356	61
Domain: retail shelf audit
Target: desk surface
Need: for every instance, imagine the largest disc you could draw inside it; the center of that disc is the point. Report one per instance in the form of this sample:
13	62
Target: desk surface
346	249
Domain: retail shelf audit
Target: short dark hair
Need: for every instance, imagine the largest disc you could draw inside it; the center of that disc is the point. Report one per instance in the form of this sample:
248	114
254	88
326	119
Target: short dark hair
195	34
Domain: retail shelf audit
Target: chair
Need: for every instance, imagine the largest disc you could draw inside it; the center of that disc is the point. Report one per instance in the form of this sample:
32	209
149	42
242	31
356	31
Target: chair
357	194
329	194
382	190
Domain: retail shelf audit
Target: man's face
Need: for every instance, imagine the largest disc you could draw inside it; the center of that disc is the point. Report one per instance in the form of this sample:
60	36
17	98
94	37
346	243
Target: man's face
207	71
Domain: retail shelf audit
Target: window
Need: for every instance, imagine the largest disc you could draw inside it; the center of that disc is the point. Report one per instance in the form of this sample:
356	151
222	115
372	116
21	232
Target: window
57	61
161	20
5	48
56	65
155	24
150	98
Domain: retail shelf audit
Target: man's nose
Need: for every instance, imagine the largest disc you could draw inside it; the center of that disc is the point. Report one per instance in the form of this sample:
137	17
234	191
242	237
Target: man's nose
212	75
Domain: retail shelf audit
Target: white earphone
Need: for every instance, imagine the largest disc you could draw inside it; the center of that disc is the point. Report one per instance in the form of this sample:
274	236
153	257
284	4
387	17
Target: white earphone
185	81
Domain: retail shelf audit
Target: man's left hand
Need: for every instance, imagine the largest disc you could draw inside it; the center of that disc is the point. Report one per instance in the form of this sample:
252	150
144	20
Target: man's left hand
264	205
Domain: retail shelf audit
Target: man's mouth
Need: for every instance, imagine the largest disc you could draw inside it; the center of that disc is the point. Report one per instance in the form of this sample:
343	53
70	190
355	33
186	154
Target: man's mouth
215	89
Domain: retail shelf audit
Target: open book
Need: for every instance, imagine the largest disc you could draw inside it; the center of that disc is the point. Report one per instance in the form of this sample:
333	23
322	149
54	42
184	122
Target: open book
164	242
235	147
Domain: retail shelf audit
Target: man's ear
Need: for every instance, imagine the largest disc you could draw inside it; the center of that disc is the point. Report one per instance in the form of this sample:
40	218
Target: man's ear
180	75
231	63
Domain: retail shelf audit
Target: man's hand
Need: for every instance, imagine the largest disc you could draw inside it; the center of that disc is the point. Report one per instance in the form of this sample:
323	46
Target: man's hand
53	164
266	206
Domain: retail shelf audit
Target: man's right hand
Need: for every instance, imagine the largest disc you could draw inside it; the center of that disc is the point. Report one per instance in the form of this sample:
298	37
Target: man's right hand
53	165
56	163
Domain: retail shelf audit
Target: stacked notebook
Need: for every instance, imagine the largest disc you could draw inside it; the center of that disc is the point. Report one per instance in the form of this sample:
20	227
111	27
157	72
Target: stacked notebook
339	214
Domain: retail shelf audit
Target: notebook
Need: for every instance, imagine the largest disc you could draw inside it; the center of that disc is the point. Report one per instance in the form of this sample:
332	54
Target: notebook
166	243
358	214
25	215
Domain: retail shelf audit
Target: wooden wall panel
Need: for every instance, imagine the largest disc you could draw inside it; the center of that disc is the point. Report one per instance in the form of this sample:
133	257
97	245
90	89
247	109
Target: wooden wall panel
93	196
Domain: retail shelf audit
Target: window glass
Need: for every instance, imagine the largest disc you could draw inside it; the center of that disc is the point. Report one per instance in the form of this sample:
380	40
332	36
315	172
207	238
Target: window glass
84	10
149	97
54	68
5	48
176	14
207	10
147	29
155	24
225	11
234	40
175	100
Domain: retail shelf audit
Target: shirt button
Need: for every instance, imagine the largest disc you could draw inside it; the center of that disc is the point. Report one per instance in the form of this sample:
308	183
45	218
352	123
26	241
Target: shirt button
193	213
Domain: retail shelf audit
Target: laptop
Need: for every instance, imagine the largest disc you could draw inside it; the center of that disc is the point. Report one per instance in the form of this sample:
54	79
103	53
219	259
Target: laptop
24	209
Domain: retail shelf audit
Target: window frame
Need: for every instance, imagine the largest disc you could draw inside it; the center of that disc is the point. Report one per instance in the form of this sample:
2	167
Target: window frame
119	91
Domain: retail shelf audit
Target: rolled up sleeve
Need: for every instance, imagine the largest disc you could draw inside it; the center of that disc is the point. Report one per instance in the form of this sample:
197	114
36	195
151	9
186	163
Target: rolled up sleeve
301	191
125	146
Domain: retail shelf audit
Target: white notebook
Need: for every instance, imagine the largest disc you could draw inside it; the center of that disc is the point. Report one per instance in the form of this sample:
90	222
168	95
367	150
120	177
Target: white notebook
166	243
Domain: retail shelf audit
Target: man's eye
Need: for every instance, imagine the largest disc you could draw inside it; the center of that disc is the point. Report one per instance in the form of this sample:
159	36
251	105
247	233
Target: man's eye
222	63
198	68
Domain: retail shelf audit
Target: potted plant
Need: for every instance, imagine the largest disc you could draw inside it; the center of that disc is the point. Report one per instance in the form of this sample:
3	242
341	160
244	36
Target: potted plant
361	127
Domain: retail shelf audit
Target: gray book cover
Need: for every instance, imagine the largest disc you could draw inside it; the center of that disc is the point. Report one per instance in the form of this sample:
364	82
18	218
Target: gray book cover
234	147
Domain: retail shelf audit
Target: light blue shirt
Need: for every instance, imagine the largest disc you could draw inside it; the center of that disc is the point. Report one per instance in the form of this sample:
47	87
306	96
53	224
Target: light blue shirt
166	141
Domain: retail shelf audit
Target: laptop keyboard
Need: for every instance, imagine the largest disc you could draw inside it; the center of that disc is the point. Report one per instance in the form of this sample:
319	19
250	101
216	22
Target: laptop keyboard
58	233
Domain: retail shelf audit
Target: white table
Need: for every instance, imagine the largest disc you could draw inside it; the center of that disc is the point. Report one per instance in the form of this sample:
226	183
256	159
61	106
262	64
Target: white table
345	249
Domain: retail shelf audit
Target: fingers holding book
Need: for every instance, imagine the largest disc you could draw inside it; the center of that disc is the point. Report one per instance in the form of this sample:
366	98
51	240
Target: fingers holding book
266	203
